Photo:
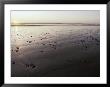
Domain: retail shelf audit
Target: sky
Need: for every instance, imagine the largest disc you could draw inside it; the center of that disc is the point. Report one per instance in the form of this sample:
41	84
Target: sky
90	16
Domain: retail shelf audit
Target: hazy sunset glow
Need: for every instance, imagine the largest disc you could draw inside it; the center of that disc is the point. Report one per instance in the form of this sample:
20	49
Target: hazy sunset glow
92	16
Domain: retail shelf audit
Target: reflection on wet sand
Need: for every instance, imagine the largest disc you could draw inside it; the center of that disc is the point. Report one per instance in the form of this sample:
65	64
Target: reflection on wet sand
55	51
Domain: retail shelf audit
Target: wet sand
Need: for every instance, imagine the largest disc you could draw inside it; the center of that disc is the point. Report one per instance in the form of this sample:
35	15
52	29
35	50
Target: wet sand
61	52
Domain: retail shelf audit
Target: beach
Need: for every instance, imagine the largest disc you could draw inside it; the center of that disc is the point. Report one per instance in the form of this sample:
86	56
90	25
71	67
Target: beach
55	51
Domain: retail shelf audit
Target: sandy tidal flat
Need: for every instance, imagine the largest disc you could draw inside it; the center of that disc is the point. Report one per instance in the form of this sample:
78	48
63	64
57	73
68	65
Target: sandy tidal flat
55	51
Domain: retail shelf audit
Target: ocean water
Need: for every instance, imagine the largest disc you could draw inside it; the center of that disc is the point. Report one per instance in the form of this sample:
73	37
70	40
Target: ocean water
46	50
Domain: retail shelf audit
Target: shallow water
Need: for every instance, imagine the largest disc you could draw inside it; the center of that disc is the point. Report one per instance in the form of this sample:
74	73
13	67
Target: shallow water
35	49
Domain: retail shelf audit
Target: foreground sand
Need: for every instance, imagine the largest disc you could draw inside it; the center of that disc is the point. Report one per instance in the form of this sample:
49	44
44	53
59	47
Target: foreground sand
67	54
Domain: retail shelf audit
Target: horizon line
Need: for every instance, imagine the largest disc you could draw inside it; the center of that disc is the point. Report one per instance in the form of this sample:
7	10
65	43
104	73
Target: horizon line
53	24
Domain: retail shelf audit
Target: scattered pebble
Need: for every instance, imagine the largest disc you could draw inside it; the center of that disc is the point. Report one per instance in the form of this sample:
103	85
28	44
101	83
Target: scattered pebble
30	65
16	50
17	47
42	51
43	44
30	41
33	66
13	62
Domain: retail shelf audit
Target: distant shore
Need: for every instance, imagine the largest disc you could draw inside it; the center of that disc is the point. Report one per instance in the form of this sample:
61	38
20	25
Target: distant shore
53	24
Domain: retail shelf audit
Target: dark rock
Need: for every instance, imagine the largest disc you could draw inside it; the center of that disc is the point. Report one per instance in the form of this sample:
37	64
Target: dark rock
17	47
13	62
30	41
16	50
